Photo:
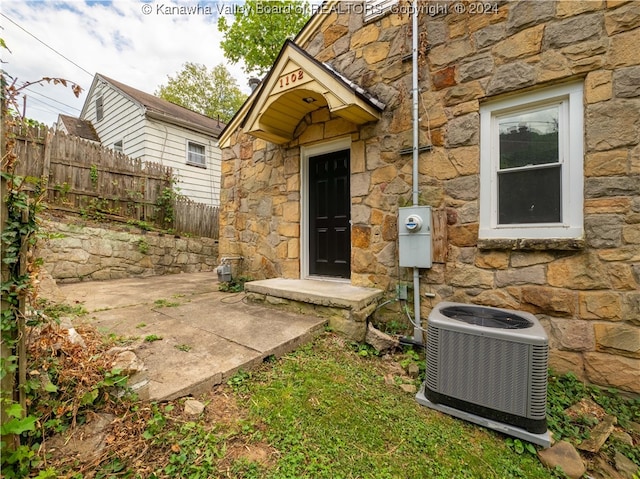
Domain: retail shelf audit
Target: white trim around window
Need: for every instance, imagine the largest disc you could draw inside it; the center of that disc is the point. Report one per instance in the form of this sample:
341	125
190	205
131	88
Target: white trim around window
196	154
99	105
531	165
374	9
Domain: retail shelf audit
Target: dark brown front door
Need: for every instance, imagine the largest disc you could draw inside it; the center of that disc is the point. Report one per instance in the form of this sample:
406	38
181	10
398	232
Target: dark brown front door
330	214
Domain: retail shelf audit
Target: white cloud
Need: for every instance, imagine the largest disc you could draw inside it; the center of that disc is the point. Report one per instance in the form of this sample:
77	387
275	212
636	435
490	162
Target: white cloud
114	38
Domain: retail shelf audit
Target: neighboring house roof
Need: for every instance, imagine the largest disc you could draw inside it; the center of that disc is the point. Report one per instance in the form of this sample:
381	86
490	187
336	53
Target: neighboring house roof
163	110
78	127
274	109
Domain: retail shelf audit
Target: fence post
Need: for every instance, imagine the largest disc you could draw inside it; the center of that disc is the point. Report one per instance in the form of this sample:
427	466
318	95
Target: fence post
46	164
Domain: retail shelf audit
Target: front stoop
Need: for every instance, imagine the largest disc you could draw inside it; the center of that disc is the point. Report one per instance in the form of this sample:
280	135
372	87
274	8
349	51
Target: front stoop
346	307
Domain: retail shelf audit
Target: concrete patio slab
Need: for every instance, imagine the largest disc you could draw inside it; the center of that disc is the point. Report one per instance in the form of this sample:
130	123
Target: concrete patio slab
101	295
206	335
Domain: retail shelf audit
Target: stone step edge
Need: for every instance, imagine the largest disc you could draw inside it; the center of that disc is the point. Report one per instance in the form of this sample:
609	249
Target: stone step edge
316	299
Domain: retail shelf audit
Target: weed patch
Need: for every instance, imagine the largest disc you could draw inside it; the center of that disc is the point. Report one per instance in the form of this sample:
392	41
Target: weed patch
566	390
143	245
165	303
236	285
58	310
65	384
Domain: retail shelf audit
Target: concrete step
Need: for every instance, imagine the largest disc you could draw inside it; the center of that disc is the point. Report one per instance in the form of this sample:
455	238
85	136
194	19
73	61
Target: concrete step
345	306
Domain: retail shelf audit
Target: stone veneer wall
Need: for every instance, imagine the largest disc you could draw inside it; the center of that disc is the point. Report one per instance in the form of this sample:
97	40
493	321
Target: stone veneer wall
76	253
588	298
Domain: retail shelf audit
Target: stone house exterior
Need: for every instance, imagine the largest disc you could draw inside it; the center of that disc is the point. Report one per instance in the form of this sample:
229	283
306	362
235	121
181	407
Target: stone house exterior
334	118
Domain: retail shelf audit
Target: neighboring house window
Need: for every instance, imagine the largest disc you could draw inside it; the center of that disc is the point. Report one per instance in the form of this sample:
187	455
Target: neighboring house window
377	8
195	154
118	146
99	109
531	156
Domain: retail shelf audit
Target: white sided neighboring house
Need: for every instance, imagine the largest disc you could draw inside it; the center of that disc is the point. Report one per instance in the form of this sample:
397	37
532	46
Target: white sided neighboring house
144	126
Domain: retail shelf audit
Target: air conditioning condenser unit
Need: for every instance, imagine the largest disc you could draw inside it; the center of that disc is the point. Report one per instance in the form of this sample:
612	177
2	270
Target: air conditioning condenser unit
488	366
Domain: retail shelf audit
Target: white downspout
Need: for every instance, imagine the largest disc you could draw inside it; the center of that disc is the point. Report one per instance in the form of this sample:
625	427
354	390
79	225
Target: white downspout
417	327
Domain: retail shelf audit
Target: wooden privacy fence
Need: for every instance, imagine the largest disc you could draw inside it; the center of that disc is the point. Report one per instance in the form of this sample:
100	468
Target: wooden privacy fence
196	218
84	177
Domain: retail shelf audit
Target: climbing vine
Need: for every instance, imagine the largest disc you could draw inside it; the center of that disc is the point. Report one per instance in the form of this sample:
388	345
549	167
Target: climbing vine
19	272
164	206
93	174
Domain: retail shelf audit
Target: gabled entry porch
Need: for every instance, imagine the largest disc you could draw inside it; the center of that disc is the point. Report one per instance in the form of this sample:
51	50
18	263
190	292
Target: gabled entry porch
295	145
346	307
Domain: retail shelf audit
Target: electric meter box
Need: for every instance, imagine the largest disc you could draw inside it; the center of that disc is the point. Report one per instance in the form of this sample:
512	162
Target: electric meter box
414	237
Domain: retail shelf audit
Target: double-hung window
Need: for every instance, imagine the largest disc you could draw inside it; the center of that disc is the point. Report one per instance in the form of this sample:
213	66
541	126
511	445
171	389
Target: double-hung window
99	109
531	157
196	154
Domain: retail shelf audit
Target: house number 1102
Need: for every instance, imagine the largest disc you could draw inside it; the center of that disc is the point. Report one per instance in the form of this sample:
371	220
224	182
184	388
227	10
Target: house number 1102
291	78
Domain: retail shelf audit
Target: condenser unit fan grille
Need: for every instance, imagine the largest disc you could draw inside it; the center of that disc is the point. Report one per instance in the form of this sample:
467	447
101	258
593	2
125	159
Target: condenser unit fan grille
485	317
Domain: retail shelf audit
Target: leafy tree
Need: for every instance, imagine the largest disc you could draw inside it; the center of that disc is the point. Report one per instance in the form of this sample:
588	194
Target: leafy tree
210	92
259	30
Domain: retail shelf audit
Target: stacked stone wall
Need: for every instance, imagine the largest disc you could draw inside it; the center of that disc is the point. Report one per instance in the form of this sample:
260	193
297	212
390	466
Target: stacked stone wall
78	253
587	292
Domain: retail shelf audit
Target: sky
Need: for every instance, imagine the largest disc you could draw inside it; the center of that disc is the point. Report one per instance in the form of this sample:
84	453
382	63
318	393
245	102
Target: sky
139	43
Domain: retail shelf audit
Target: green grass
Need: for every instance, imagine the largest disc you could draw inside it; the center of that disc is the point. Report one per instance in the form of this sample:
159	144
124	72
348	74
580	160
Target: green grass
326	411
330	414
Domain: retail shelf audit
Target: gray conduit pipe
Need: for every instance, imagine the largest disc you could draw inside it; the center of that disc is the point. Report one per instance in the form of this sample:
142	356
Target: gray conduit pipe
417	326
